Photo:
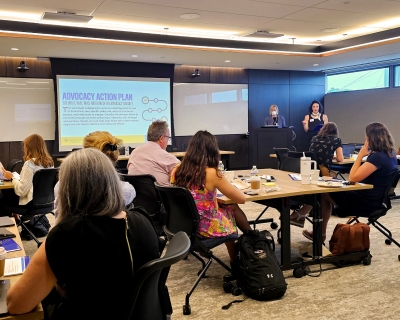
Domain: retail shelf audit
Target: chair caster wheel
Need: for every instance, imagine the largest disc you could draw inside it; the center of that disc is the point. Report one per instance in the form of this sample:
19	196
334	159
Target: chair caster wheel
236	291
187	310
367	260
228	278
299	273
228	287
274	225
279	240
388	241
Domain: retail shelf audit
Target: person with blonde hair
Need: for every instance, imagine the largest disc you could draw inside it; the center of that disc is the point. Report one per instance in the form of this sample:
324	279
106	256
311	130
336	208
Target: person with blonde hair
109	145
36	157
274	118
93	239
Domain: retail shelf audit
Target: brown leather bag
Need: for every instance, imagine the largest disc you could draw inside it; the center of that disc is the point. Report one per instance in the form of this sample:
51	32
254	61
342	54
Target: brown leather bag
348	238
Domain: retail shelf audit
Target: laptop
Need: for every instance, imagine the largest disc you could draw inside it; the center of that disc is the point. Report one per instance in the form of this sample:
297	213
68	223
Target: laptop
270	126
4	286
348	149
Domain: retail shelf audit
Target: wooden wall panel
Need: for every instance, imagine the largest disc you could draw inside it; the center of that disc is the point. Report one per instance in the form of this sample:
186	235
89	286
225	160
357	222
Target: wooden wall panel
269	76
37	68
229	75
3	67
183	74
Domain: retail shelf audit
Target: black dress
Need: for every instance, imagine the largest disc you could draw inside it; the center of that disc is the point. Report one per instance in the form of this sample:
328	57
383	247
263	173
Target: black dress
312	124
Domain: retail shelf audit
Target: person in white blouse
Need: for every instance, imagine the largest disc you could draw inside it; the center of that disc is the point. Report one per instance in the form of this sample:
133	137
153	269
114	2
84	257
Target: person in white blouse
36	157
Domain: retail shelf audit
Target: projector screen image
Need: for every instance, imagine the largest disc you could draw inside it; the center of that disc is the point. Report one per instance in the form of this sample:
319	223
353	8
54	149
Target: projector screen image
125	107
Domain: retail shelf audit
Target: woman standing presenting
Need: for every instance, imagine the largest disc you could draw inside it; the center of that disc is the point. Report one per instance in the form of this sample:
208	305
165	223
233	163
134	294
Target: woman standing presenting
316	118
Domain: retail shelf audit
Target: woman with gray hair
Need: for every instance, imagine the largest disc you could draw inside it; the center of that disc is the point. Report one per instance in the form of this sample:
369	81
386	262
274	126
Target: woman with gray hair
94	238
274	118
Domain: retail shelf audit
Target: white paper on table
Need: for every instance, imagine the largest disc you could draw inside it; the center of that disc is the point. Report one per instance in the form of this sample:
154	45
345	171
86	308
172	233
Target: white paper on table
240	184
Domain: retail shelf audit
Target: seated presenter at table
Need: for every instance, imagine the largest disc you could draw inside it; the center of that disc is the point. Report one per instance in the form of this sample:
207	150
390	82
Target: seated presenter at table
200	174
36	157
109	145
378	169
274	118
90	256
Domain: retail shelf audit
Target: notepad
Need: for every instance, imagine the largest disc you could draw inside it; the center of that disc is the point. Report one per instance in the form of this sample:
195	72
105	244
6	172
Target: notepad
295	176
5	234
15	266
6	222
10	245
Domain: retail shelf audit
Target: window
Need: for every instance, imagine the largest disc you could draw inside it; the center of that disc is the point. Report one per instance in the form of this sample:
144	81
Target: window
360	80
397	76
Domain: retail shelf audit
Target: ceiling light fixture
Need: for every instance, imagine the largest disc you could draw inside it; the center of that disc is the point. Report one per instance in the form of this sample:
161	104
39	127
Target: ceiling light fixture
134	56
315	64
227	60
264	34
14	49
330	30
190	16
66	17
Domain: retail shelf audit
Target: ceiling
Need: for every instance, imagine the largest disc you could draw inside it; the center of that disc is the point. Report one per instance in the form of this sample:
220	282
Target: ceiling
360	32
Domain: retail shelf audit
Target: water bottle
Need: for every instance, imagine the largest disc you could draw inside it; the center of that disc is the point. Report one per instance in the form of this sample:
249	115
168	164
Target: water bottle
221	167
254	171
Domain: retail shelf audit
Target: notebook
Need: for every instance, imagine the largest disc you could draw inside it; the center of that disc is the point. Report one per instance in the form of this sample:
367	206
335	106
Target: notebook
4	286
6	222
5	234
10	245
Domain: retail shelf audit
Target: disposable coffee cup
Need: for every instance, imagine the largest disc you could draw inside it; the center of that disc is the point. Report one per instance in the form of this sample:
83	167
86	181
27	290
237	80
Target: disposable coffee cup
229	175
255	184
314	176
3	254
305	179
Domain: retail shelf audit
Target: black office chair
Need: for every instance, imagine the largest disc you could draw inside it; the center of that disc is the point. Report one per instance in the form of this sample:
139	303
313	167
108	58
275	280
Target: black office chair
182	215
291	164
150	297
148	197
14	165
281	154
42	202
297	154
377	214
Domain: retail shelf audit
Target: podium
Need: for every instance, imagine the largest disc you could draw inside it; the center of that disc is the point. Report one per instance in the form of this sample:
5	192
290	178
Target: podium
266	139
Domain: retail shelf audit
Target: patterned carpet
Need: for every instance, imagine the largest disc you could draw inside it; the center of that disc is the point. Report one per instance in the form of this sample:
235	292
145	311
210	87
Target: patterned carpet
359	292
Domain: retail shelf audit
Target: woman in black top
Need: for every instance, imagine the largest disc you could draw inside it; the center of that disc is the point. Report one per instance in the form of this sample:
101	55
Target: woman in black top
90	256
314	119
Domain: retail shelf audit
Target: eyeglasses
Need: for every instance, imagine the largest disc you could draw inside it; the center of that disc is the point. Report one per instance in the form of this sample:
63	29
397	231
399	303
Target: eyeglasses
167	136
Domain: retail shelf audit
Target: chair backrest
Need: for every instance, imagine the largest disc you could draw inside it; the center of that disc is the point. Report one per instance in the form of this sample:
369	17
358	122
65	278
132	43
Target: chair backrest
43	182
147	195
295	154
150	298
291	164
392	185
282	154
12	165
182	214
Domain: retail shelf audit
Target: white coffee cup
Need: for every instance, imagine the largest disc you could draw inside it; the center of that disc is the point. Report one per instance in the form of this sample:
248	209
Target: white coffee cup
229	175
314	176
3	254
255	184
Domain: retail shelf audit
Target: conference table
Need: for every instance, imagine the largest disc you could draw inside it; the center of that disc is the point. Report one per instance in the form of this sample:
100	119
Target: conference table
6	185
295	190
36	313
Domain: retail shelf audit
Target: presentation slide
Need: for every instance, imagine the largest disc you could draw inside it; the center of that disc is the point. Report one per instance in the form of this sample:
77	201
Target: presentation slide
27	107
123	106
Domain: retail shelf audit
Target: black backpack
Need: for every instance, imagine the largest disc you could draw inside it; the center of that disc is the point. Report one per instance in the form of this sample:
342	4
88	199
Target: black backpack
259	274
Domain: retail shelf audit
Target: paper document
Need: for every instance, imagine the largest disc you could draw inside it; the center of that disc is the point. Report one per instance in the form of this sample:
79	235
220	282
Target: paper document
15	266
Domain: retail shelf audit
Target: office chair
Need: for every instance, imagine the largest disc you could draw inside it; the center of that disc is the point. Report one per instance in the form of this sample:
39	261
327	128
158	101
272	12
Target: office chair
182	215
148	197
281	154
297	154
375	215
42	202
150	297
12	165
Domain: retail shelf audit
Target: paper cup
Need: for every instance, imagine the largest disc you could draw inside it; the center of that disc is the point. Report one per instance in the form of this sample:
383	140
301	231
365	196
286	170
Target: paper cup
229	175
3	254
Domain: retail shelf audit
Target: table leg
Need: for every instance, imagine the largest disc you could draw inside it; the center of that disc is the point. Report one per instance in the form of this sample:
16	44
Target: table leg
285	232
317	227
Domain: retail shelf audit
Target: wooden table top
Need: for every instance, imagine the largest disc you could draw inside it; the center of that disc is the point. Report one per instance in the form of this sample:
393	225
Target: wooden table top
37	313
179	154
288	186
7	185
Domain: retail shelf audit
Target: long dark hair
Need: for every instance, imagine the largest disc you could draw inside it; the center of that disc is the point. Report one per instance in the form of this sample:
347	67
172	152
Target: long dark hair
329	129
380	138
320	110
201	153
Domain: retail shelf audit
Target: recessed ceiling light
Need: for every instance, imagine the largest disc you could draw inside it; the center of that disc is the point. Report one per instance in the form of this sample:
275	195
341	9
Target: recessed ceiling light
15	49
346	2
227	60
319	40
330	30
315	64
134	56
190	16
162	57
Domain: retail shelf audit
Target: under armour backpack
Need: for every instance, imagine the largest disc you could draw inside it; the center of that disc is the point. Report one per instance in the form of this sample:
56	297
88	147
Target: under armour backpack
259	274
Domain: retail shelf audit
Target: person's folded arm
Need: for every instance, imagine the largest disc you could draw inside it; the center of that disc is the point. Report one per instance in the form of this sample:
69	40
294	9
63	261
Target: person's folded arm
34	285
339	154
360	171
24	184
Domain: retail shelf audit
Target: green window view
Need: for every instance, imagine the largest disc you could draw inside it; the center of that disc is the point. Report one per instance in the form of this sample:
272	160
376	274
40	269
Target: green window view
360	80
397	76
